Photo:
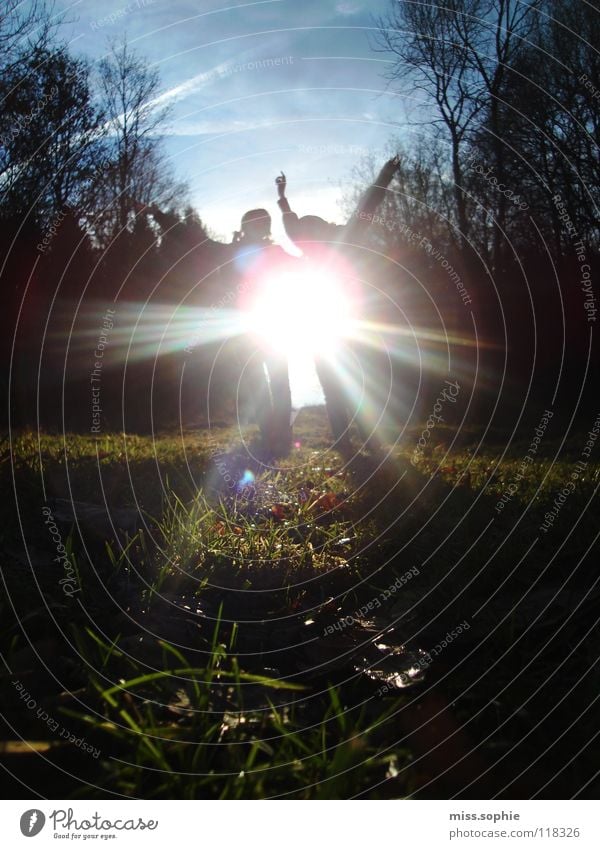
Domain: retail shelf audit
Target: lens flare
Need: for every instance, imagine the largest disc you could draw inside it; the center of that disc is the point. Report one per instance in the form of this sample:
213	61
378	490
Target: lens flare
308	313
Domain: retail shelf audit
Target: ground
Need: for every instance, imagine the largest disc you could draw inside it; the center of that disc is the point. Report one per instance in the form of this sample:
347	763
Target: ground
184	622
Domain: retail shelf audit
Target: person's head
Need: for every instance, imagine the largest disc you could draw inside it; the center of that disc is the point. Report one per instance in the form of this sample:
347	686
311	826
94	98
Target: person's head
311	229
256	225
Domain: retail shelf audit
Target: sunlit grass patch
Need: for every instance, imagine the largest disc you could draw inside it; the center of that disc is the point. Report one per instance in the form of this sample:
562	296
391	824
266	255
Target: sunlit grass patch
203	660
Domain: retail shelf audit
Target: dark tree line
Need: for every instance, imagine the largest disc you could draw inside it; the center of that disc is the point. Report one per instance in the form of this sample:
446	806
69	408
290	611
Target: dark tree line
501	169
495	201
89	204
503	84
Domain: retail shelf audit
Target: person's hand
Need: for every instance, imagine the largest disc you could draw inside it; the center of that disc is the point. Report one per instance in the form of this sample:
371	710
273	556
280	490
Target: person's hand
388	170
281	183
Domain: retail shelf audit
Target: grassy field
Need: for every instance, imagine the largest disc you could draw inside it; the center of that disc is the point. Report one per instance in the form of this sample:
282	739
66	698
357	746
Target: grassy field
184	622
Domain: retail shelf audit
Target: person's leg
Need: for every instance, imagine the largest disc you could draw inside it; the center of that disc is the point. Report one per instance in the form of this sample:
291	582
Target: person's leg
281	403
336	402
368	412
255	396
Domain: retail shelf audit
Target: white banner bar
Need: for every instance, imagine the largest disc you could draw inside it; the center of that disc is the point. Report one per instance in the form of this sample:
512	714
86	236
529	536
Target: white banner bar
262	825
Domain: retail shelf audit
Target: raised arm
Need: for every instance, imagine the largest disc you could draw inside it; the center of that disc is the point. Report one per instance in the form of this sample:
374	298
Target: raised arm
375	194
290	219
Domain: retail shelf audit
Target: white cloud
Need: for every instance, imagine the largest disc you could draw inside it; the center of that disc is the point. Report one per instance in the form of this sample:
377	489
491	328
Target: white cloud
192	85
209	127
348	8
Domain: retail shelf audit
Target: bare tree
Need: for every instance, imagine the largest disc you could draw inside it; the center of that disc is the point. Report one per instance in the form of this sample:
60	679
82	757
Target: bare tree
494	35
431	58
543	136
24	27
461	55
137	168
50	130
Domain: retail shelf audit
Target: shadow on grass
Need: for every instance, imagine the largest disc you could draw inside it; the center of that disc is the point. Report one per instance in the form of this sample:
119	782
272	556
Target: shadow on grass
224	623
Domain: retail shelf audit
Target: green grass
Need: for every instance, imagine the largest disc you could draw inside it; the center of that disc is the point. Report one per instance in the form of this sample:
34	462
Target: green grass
193	657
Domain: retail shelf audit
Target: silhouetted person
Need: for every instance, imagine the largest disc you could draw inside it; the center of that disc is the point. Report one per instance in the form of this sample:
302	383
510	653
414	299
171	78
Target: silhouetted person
321	241
312	228
255	259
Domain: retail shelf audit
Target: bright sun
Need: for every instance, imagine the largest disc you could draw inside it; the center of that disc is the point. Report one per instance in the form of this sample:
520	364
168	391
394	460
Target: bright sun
301	313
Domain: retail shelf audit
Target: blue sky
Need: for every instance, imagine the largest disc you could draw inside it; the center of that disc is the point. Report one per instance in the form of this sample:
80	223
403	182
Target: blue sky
257	88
